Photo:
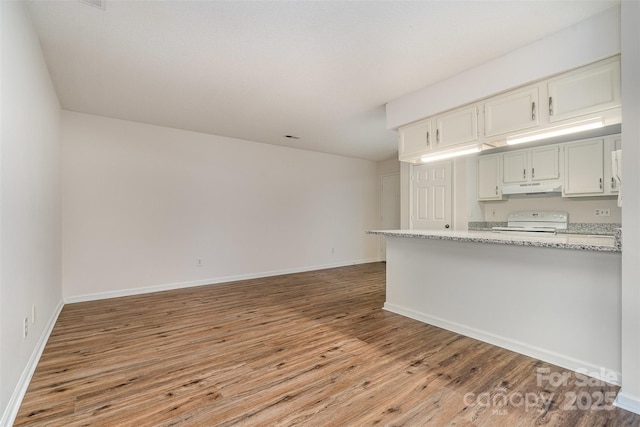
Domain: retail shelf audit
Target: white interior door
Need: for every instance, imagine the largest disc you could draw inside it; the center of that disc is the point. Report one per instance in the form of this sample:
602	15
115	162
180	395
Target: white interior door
431	196
390	209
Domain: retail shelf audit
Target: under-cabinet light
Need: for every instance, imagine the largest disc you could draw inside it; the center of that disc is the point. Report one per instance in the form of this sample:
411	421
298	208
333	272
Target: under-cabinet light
447	155
555	132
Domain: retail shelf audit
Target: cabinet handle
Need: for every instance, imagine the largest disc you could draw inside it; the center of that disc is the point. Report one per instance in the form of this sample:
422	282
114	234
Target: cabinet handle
533	110
551	105
437	136
613	183
428	141
524	173
496	190
601	183
533	173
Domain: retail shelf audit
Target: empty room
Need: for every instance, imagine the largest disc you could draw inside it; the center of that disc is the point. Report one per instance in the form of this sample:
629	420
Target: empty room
319	213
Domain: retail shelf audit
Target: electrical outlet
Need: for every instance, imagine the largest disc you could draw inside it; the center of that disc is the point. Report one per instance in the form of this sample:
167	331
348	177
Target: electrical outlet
199	262
25	331
603	212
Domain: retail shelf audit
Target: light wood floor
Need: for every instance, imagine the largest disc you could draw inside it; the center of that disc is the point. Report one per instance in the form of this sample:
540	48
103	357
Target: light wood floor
310	349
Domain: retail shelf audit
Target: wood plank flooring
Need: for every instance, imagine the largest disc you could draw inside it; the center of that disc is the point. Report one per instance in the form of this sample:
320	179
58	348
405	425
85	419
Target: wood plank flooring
308	349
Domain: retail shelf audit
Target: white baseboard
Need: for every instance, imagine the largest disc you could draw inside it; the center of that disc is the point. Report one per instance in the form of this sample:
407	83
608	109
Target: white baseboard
560	360
202	282
19	391
629	403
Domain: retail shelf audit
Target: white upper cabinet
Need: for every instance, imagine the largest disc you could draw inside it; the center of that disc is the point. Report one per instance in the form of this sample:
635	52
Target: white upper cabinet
610	184
583	168
515	167
457	127
511	112
531	165
545	163
414	140
440	132
588	90
488	178
590	93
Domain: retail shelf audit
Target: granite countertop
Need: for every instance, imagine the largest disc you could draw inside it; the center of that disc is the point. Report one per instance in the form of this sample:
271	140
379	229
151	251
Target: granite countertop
573	227
585	242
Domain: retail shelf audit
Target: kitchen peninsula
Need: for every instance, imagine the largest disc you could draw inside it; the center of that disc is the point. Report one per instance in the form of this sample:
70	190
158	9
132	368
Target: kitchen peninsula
555	298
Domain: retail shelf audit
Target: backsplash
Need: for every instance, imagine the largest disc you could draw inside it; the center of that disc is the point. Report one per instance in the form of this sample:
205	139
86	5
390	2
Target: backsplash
581	210
485	225
607	228
593	228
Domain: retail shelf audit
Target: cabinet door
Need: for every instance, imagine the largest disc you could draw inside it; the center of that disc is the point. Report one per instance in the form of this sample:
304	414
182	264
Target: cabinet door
457	127
611	185
489	178
511	112
514	167
414	140
583	168
545	163
585	91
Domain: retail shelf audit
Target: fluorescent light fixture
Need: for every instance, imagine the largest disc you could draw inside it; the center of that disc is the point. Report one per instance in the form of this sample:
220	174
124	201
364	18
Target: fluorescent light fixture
449	154
555	132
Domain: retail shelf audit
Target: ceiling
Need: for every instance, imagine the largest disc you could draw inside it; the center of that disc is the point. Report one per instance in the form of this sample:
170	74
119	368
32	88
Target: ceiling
260	70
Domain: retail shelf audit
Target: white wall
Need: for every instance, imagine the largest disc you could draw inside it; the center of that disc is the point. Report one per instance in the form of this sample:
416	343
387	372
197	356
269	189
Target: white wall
405	195
460	193
29	204
588	41
390	166
385	167
141	203
629	396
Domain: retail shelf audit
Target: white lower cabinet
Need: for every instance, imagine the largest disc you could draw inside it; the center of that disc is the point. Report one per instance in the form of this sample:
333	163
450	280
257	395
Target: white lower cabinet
488	179
584	168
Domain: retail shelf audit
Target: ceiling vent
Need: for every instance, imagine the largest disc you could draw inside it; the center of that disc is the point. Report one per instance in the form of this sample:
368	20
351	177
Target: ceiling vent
95	3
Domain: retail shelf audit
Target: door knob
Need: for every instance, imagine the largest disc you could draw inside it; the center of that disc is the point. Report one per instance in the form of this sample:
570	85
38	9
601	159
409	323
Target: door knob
446	226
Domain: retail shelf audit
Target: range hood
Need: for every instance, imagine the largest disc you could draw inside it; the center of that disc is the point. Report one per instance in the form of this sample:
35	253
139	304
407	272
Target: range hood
533	188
